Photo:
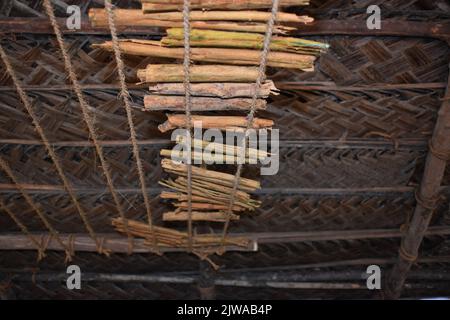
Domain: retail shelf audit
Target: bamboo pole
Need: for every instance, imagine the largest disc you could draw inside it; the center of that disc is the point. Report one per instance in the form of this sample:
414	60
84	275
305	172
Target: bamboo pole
232	123
427	197
136	18
224	90
217	55
177	103
213	38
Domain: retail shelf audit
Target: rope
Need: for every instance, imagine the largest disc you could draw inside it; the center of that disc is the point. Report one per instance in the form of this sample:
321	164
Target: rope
35	120
126	99
188	105
250	117
405	255
24	229
427	203
86	114
33	205
443	155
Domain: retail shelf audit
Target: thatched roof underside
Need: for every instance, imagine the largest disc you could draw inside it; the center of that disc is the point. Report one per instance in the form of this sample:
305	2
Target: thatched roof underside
350	160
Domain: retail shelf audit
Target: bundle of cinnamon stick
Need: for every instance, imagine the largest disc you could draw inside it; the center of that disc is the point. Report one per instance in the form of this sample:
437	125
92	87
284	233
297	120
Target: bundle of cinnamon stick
171	238
226	39
224	31
210	194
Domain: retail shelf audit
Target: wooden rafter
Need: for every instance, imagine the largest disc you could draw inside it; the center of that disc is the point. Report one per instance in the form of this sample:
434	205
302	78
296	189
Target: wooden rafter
427	196
115	243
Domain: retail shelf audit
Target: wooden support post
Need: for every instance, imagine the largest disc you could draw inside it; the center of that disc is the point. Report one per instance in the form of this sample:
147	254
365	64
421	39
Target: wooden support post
427	196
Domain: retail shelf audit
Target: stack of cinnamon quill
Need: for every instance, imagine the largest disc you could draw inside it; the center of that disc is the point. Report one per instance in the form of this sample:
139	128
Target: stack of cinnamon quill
226	40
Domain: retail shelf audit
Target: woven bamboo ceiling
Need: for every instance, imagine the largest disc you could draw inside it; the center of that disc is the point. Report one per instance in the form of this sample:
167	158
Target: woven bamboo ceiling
354	142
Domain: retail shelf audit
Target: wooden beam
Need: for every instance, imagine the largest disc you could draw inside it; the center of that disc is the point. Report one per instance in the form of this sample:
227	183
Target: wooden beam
359	143
84	243
116	243
8	188
320	27
286	280
392	27
427	196
282	85
43	26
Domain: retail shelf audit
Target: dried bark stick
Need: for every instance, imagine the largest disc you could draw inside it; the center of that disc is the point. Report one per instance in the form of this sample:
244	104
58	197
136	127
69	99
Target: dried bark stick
205	157
177	103
232	123
205	173
217	55
132	17
213	216
224	90
226	149
171	5
183	197
242	198
206	206
213	38
198	73
241	15
174	238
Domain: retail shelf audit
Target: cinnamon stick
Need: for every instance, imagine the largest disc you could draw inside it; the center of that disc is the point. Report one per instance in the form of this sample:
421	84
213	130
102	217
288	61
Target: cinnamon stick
178	103
241	15
132	17
213	216
234	123
198	73
218	55
224	90
174	5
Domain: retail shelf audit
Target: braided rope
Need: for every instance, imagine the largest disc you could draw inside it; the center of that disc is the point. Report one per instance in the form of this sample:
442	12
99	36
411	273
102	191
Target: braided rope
126	99
35	120
24	229
188	107
250	117
33	205
86	115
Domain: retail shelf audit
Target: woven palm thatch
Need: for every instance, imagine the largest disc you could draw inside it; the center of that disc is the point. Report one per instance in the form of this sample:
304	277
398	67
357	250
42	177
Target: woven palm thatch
361	134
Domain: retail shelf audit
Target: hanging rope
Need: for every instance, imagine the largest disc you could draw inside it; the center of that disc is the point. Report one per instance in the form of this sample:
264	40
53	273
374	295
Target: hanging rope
250	117
188	107
33	205
24	229
26	102
126	99
85	108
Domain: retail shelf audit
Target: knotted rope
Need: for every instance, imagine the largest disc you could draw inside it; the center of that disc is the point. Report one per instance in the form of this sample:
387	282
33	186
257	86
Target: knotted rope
85	108
126	100
55	159
24	229
188	107
250	117
35	207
